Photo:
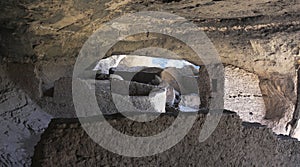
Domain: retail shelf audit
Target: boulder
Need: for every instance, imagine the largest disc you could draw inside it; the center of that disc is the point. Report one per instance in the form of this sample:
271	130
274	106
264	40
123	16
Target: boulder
130	88
189	103
179	81
155	102
138	74
115	96
104	65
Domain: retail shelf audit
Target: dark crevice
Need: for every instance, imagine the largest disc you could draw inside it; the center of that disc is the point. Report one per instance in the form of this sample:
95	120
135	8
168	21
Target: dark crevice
294	122
49	92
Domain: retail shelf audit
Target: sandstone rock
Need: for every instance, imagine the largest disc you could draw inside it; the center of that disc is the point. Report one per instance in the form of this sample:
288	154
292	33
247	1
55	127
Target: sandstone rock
179	81
204	88
113	96
136	60
116	77
21	123
189	103
127	92
233	143
122	68
254	99
63	91
105	64
130	88
189	70
261	38
170	96
138	74
104	97
158	97
243	94
28	81
49	73
155	102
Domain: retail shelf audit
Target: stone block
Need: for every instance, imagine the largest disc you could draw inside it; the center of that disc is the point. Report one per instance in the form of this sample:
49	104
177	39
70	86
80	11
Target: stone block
189	103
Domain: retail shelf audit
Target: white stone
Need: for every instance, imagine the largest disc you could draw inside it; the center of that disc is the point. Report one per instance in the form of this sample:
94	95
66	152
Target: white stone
105	64
155	102
181	83
189	103
158	98
114	76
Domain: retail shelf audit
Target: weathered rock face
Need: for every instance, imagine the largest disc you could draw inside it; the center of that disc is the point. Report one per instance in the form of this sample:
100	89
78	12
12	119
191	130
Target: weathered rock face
233	143
269	32
105	64
113	96
184	83
243	94
189	103
50	24
154	102
40	41
144	75
130	88
254	99
21	123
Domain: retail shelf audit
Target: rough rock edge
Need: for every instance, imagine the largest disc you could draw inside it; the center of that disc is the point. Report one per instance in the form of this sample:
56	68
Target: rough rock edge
233	143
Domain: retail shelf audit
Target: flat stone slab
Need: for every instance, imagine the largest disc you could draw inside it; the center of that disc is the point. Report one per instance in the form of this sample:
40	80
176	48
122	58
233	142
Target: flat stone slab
115	96
138	74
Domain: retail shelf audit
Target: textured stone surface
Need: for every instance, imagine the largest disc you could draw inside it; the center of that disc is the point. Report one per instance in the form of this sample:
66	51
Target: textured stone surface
28	81
52	23
43	38
130	88
233	143
180	81
189	102
105	64
144	75
21	123
259	36
243	94
254	99
155	102
48	73
109	93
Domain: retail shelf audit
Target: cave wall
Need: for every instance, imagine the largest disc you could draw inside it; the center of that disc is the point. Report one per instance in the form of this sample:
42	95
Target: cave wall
40	41
260	38
22	122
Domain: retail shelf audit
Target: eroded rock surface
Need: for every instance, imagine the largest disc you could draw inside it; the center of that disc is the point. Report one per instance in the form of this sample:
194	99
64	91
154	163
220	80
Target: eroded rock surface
40	41
243	94
21	123
254	99
233	143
